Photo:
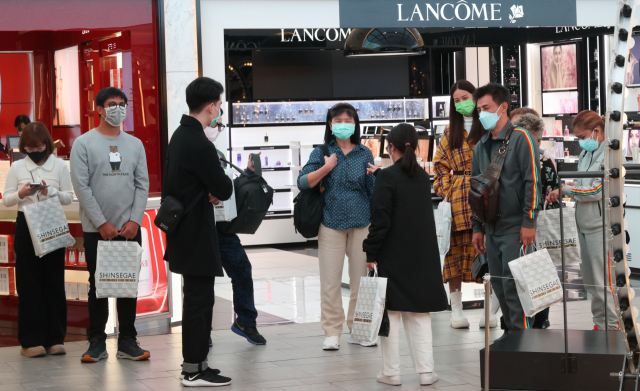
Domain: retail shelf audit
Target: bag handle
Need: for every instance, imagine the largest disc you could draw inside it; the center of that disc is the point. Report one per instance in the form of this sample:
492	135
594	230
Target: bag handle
523	249
374	272
240	170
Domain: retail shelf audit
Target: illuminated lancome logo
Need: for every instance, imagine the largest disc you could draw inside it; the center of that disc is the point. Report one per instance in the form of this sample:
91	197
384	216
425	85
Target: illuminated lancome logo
461	11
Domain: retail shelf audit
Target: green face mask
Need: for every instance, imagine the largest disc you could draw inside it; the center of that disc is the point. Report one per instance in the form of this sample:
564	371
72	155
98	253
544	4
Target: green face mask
465	107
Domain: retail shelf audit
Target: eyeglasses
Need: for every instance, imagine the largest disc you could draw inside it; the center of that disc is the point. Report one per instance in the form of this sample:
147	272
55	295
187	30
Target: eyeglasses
114	104
221	127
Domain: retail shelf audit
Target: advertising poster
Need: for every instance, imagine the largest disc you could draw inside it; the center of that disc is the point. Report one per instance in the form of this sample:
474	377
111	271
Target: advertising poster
559	70
633	69
153	292
16	90
67	87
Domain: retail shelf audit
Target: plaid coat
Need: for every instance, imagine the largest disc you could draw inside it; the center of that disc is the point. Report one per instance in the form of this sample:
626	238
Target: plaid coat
454	188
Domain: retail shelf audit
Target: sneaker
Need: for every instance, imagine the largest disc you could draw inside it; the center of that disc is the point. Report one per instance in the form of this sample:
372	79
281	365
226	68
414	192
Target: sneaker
56	350
130	349
183	373
428	378
206	378
250	333
390	380
331	343
354	341
97	351
36	351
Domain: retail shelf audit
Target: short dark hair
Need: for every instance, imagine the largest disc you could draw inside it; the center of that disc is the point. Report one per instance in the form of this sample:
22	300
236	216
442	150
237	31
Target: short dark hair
21	119
498	92
202	92
337	110
109	92
34	134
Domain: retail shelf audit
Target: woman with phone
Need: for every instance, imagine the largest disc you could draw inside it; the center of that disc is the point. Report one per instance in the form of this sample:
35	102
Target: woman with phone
42	305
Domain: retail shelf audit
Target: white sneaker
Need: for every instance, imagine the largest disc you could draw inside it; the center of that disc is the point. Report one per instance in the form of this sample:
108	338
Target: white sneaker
458	321
390	380
331	343
428	378
495	307
354	341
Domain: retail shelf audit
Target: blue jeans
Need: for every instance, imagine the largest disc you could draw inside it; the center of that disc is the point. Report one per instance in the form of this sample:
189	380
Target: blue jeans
237	266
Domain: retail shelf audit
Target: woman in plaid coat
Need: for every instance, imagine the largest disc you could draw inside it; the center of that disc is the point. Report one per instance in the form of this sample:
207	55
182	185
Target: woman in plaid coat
452	165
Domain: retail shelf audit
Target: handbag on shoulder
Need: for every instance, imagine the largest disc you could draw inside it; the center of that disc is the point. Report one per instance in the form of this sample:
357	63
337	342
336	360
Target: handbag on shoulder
308	206
484	189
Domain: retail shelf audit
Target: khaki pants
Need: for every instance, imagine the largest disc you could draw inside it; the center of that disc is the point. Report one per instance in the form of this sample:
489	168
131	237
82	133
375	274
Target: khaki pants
417	327
332	247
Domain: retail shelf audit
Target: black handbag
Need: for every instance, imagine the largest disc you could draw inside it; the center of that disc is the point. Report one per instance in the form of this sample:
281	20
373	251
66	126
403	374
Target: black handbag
479	267
308	207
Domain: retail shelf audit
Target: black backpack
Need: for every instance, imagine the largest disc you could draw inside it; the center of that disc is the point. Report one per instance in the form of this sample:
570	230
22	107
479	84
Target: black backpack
253	199
308	206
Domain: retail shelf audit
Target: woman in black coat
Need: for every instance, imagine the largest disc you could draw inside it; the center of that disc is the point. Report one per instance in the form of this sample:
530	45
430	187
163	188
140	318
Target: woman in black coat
402	244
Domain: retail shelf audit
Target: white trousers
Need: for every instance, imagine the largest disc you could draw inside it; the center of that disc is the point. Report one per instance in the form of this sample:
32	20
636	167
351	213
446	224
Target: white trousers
332	247
417	327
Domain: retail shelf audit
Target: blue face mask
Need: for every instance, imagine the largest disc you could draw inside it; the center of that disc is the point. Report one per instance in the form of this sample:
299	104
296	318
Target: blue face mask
343	131
214	122
589	144
489	120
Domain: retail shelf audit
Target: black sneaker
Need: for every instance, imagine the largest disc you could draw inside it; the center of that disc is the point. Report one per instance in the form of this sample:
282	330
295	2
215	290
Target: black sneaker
97	351
250	333
131	350
206	378
210	342
183	373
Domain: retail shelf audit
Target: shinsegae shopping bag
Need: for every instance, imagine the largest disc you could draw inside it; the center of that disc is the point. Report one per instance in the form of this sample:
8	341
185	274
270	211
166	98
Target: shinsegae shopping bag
548	235
536	280
48	226
226	210
443	228
118	269
369	308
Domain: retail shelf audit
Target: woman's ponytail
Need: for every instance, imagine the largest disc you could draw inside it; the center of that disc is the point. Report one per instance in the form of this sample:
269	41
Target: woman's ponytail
405	139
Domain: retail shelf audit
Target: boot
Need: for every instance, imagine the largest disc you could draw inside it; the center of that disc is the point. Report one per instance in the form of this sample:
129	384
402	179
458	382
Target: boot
458	321
495	306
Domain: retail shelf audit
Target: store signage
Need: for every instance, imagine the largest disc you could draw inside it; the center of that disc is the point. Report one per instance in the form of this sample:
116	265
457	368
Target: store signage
311	35
461	13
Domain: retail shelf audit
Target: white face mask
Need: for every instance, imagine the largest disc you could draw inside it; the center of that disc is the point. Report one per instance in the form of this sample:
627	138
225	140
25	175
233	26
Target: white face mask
212	133
115	115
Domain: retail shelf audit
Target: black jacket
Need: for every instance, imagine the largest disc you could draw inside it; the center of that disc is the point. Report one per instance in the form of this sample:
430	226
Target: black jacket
402	240
194	167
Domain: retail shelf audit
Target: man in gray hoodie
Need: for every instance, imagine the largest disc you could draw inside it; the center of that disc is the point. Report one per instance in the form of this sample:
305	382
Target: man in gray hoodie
519	198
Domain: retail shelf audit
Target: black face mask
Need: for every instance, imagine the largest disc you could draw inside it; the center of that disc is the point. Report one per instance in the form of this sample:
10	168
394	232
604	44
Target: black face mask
37	156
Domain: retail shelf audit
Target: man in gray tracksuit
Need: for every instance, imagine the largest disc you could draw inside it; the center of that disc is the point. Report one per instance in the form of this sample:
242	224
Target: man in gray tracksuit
519	198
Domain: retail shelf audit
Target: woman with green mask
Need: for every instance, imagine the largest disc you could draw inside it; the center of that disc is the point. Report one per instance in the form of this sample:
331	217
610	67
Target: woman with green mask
452	165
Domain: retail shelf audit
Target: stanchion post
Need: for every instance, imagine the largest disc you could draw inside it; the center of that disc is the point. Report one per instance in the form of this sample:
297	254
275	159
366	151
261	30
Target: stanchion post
487	327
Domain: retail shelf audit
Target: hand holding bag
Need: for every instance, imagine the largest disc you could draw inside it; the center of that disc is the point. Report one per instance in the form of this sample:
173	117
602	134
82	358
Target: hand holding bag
48	226
118	269
484	188
479	267
548	235
369	308
443	228
537	281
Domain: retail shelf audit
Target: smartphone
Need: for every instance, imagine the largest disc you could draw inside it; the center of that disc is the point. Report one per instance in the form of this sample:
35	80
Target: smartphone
36	187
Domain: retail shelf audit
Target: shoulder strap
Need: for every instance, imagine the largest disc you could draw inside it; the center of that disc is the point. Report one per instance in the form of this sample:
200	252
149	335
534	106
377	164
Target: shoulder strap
325	149
495	168
165	176
194	202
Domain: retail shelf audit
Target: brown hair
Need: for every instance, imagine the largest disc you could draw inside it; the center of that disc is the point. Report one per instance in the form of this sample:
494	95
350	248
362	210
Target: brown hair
522	111
405	138
588	120
33	135
456	120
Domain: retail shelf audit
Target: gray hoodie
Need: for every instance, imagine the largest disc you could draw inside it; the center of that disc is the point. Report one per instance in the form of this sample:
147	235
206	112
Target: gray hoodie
587	192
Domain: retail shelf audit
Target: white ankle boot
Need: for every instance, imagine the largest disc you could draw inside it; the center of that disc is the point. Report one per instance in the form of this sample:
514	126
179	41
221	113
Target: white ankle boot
495	306
458	321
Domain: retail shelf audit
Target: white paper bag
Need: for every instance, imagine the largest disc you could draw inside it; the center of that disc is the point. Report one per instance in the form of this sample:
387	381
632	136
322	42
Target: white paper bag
537	281
48	226
226	210
548	235
443	227
369	309
118	269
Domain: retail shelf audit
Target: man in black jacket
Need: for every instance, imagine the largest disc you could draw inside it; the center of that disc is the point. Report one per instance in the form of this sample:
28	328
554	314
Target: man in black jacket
194	174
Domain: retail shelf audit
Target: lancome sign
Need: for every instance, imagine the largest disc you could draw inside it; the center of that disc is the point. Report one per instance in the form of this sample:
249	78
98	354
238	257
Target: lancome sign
461	13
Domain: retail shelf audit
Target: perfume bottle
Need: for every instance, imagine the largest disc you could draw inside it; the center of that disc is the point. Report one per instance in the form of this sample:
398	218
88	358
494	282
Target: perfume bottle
595	55
266	136
566	131
513	79
266	161
512	62
514	97
595	74
239	160
597	93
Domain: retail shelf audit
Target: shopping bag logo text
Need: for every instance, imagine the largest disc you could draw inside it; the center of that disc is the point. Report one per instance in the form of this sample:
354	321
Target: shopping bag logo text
363	316
53	233
117	277
544	289
555	244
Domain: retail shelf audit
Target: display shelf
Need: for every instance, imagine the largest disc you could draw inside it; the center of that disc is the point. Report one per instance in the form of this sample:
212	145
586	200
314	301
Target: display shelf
288	190
284	168
262	148
8	264
76	268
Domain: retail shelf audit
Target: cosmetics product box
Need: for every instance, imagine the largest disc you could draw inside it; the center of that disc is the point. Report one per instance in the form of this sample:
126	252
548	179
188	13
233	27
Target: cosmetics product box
71	256
71	289
6	249
83	291
7	281
82	259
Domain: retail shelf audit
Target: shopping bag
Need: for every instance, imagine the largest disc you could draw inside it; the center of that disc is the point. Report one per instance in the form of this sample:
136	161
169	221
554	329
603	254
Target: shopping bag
226	210
443	228
536	280
48	226
548	235
118	269
369	308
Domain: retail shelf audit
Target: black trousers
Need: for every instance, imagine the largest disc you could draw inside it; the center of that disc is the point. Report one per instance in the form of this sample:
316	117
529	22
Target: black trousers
42	303
196	321
99	308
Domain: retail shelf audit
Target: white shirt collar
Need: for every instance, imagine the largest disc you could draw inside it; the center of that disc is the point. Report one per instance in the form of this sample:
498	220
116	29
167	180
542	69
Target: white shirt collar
47	166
